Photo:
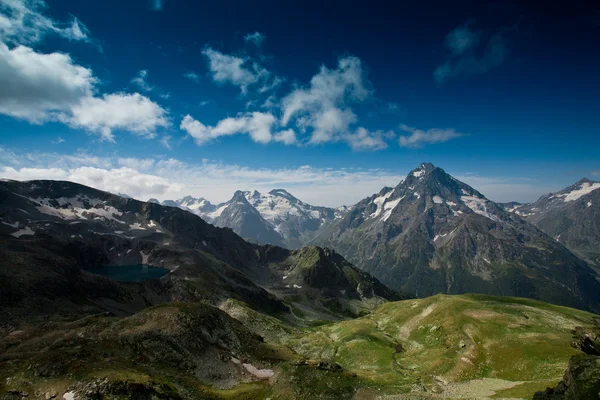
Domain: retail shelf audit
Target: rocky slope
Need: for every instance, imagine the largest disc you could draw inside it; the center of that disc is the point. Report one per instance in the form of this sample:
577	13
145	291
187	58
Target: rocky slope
53	232
571	216
433	233
582	377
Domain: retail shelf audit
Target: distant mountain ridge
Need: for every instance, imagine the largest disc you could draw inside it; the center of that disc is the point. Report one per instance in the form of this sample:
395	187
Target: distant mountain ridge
571	216
276	217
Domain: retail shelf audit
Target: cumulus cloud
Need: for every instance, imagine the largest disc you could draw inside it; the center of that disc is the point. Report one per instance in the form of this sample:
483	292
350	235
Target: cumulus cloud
419	138
287	136
238	71
257	38
322	106
41	87
140	81
467	56
35	85
23	22
256	124
130	112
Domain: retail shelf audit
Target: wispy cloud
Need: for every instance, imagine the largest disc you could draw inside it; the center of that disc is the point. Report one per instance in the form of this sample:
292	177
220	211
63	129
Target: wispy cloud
257	38
157	5
419	138
238	71
363	139
192	76
165	141
172	178
58	140
22	22
468	55
140	81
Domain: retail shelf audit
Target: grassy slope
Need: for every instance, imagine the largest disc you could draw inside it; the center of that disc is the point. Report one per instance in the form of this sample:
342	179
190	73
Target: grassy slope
507	347
467	346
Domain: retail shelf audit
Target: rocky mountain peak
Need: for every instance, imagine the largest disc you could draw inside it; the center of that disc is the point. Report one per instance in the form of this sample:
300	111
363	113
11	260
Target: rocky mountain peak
239	196
283	193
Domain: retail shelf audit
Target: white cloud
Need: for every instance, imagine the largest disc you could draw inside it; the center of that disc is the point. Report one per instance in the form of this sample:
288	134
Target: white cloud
322	106
26	174
363	139
241	72
35	86
462	44
58	140
41	87
192	76
22	22
273	84
141	82
256	124
165	141
130	112
287	136
171	178
122	180
257	38
418	137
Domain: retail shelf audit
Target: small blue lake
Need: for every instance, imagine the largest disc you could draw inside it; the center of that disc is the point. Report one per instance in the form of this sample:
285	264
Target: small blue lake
130	273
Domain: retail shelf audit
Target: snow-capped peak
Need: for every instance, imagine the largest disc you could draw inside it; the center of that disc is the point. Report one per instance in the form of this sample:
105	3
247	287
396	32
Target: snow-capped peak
578	190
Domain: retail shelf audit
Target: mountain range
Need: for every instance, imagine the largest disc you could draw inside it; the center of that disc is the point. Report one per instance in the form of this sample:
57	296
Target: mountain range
231	318
432	233
53	232
571	216
276	217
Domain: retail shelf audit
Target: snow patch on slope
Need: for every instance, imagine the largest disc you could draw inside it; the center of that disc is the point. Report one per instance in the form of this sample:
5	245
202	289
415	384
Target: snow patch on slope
22	232
389	207
575	194
478	206
379	201
438	200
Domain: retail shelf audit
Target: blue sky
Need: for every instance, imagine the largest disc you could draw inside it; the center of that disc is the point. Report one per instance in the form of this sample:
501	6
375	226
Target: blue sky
330	101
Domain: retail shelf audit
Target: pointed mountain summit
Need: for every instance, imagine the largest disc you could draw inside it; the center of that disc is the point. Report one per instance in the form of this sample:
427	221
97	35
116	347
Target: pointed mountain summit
435	234
571	216
295	220
239	215
277	217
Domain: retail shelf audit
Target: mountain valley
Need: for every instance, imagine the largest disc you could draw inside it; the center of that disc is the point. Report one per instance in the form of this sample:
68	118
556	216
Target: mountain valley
231	319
